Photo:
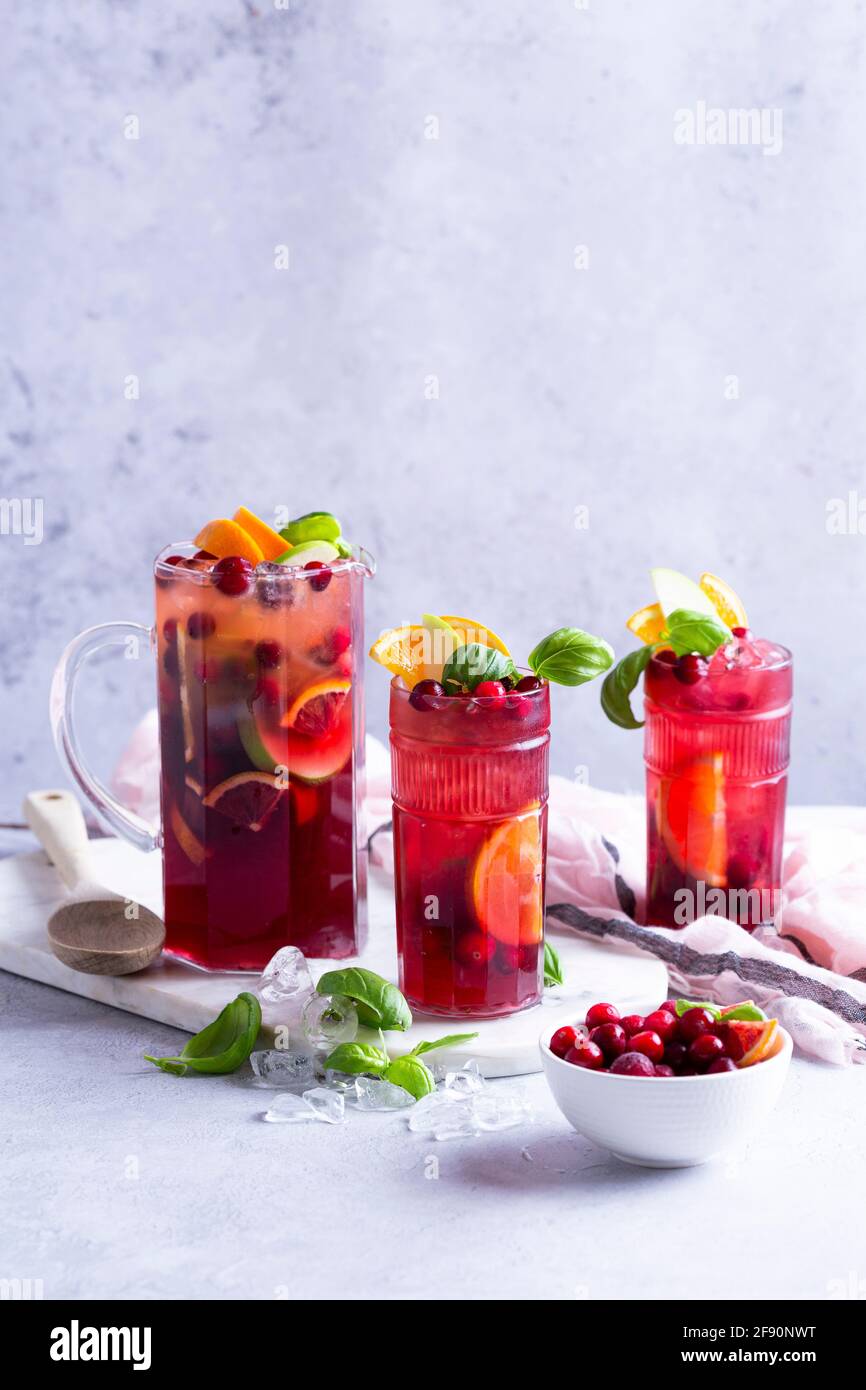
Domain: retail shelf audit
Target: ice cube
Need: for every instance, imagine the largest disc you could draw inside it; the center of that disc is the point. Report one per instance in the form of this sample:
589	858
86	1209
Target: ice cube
374	1093
467	1080
432	1110
282	1069
285	976
329	1106
288	1109
456	1121
500	1108
330	1019
335	1080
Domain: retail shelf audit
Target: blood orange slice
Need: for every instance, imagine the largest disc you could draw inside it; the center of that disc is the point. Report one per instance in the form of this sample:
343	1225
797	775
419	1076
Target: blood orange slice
691	819
249	798
507	882
318	711
188	841
748	1043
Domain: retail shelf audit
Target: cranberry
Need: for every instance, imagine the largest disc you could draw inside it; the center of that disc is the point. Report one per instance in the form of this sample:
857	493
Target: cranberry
267	691
632	1023
203	555
633	1064
611	1038
586	1054
162	579
493	692
675	1054
662	1069
721	1064
519	705
169	630
563	1039
233	575
527	684
663	1023
321	575
201	625
649	1043
170	662
333	646
694	1022
474	948
529	957
690	668
268	654
425	694
705	1049
601	1013
744	633
667	656
669	1007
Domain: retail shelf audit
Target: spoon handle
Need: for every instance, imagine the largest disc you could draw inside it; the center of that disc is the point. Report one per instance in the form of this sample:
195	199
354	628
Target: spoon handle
57	822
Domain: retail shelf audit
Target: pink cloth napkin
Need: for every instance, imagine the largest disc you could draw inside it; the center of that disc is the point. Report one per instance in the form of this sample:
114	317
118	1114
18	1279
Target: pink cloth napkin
809	971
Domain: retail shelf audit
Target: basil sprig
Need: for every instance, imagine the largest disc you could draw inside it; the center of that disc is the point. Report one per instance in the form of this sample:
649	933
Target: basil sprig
552	967
408	1071
379	1003
473	663
223	1045
686	631
570	656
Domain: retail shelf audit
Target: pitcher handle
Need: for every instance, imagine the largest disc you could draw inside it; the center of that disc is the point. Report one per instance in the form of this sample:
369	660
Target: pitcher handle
108	809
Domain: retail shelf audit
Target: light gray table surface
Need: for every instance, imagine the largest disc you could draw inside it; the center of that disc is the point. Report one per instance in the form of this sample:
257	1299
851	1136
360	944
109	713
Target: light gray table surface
121	1182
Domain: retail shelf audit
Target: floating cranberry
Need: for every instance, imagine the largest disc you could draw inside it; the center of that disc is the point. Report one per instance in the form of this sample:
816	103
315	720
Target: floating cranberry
474	948
690	669
633	1023
493	692
744	633
694	1022
563	1039
611	1038
721	1064
663	1023
662	1069
333	646
527	684
200	625
268	654
649	1043
233	575
585	1054
169	630
601	1013
705	1049
520	706
425	694
667	657
163	580
321	575
633	1064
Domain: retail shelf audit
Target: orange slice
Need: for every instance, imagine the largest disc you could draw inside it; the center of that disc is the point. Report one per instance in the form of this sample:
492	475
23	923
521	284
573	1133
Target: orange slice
189	843
468	630
407	651
318	710
691	819
248	798
223	538
647	623
270	542
507	889
726	602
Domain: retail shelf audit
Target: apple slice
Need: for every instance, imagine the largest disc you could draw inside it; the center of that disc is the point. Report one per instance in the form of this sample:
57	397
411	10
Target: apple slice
306	551
675	590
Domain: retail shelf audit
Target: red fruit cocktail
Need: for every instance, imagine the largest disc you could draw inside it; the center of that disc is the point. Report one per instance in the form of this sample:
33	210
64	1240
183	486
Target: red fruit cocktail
716	751
470	776
261	726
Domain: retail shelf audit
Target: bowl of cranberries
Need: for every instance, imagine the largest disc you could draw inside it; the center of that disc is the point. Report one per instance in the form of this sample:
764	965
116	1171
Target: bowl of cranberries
670	1088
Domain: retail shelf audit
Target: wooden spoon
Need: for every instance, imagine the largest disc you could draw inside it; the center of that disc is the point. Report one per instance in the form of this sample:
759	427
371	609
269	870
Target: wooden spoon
95	931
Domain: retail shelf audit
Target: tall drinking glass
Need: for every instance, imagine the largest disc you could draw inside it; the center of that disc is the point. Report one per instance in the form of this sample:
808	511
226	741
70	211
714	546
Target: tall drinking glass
261	719
716	754
469	778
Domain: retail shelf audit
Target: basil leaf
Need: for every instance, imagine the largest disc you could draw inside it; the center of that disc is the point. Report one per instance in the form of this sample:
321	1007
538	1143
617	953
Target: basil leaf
683	1005
570	656
412	1074
451	1041
552	966
223	1045
380	1004
357	1059
618	686
471	664
688	631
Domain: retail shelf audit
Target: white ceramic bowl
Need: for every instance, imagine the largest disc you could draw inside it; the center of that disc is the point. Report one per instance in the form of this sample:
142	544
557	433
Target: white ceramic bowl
666	1122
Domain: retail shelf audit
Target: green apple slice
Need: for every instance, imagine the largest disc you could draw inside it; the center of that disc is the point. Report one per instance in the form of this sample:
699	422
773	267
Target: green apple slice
675	590
312	526
444	641
305	551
